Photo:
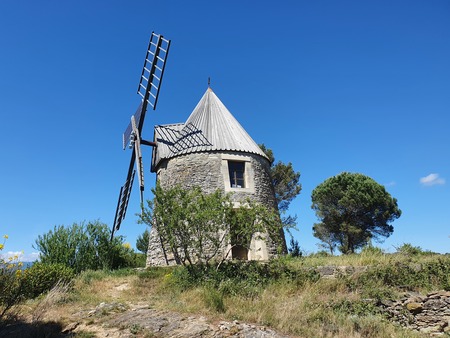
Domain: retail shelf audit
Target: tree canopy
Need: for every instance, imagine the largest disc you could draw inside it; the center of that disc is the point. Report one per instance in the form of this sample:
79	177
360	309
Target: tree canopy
285	182
196	227
353	209
142	241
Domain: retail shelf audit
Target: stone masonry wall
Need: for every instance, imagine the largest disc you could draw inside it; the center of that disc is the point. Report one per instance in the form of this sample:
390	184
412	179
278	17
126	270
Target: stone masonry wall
198	169
428	313
208	170
425	313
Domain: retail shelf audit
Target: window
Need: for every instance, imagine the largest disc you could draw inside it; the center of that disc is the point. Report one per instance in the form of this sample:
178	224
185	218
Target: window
236	171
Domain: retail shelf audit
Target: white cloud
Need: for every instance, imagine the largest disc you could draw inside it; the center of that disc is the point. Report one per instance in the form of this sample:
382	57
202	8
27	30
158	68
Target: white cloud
22	257
432	179
390	184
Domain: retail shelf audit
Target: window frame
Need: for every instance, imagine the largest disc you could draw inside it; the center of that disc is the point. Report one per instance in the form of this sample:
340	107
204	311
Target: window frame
236	173
249	179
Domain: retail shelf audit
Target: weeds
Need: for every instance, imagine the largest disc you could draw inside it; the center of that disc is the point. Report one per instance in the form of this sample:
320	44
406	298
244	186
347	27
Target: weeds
58	294
240	278
429	275
214	299
285	294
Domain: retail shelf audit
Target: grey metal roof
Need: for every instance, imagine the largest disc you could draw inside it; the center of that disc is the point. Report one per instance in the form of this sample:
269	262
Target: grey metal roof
210	127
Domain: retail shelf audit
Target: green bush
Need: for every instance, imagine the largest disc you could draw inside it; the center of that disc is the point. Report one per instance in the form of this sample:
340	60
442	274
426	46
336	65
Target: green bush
11	282
409	249
370	250
136	260
41	277
213	299
240	277
428	275
321	253
85	246
357	307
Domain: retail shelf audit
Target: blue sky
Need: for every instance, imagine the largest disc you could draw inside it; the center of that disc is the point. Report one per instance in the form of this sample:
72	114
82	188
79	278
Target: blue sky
331	86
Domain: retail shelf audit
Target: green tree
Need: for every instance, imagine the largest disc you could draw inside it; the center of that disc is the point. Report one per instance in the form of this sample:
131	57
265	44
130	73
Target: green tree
286	185
294	248
196	227
353	210
326	236
142	241
285	180
83	246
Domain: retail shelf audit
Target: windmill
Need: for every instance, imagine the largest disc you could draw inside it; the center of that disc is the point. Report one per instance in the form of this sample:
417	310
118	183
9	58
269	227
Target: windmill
148	89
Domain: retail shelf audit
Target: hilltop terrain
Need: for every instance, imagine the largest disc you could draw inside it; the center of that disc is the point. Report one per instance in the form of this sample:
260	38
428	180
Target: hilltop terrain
365	295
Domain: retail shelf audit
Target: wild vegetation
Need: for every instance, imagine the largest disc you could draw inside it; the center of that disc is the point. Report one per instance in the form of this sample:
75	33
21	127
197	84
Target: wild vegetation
81	267
196	227
65	252
86	246
286	184
286	294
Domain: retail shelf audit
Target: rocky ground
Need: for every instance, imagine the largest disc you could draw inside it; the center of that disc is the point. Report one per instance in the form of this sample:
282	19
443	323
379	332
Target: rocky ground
138	320
127	319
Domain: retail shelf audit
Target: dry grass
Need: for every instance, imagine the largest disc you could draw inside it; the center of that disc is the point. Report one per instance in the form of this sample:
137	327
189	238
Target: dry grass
362	259
59	294
312	309
305	312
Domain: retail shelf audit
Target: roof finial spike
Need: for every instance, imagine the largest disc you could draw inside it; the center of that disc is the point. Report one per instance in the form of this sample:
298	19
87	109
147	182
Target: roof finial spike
209	82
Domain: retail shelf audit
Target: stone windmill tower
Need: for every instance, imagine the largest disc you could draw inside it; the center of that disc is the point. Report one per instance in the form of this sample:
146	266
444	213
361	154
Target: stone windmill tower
213	151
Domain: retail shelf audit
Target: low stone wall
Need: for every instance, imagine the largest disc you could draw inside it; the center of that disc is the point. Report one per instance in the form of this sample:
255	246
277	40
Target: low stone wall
333	271
428	313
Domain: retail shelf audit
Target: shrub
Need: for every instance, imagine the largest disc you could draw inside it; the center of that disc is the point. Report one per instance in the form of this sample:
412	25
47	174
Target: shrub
370	250
365	307
10	282
194	226
428	275
17	284
321	253
240	277
135	260
213	299
84	246
409	249
41	277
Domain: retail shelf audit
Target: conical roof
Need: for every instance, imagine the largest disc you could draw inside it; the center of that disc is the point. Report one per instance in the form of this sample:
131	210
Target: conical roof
210	127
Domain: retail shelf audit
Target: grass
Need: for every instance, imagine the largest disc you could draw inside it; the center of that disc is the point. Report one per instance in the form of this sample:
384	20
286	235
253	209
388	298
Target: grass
341	307
285	295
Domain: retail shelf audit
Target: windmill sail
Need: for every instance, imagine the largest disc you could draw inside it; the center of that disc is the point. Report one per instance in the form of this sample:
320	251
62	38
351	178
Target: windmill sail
148	89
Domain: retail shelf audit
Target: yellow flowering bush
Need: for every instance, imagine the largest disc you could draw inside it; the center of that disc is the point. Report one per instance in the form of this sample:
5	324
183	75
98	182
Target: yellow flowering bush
11	280
17	283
